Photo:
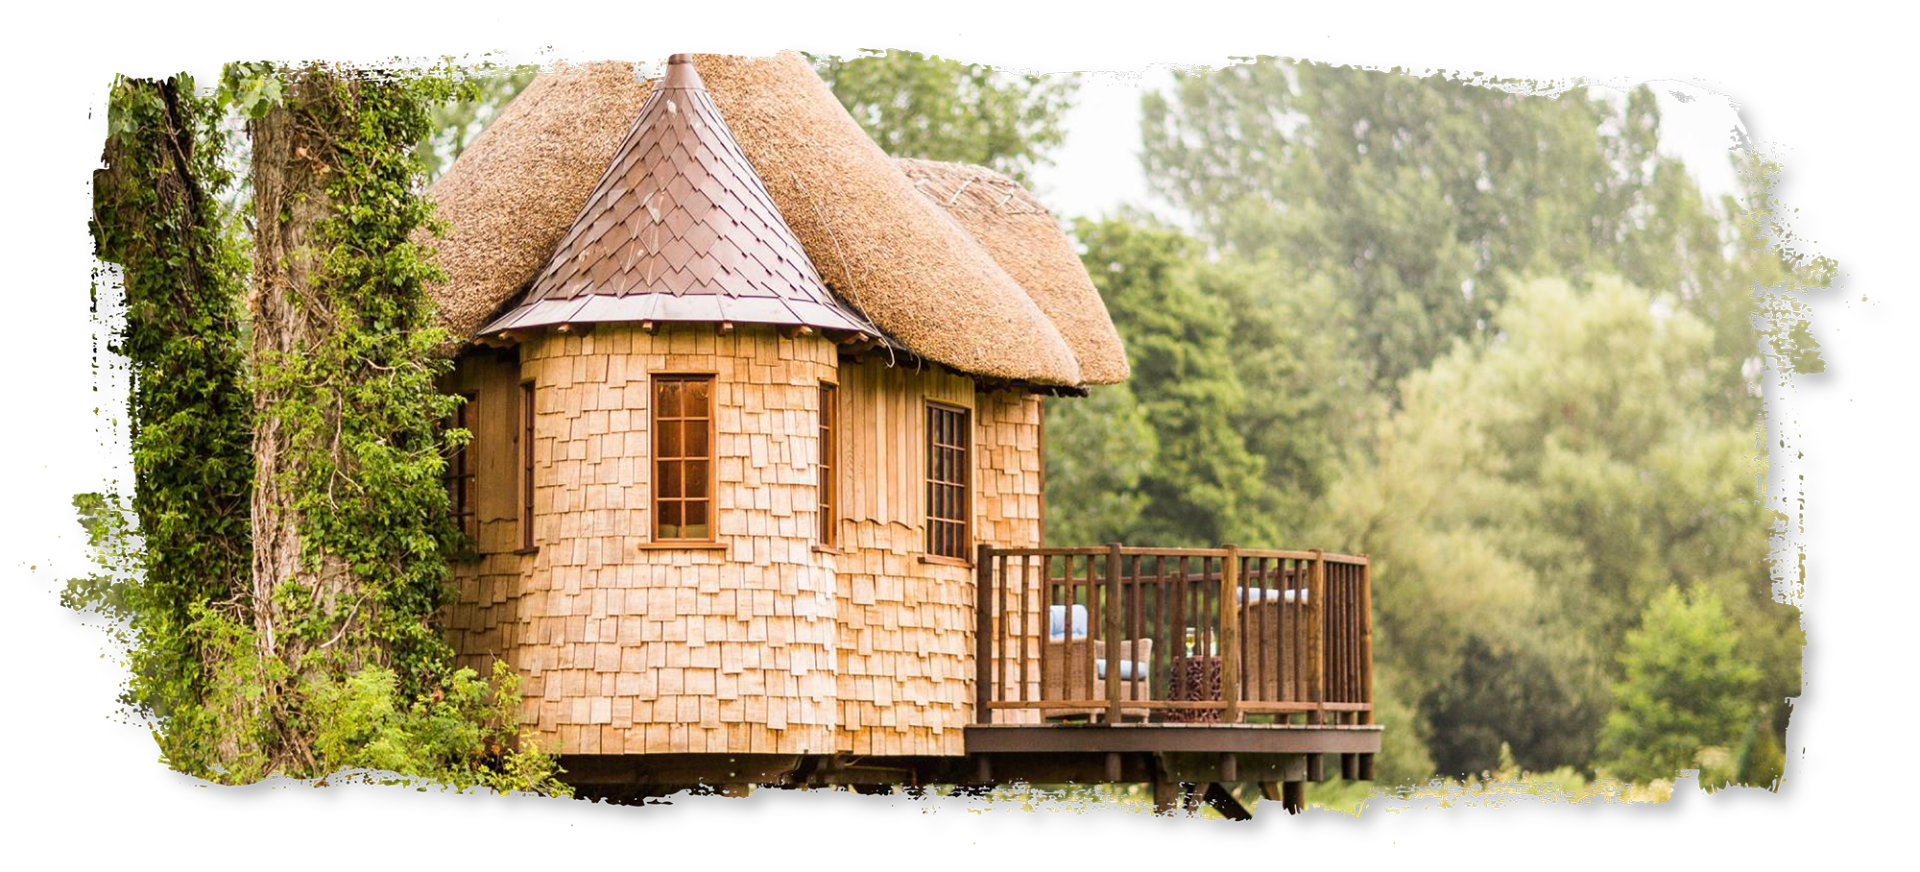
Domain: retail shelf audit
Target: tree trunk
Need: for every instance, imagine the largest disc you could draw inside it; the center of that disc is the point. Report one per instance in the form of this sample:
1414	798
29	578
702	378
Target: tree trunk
292	162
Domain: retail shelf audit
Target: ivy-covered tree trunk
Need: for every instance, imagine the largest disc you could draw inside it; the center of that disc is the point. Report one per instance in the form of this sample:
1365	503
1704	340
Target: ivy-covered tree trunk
298	605
157	215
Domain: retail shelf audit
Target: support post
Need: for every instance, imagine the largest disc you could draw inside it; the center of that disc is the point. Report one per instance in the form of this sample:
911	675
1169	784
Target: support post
1230	636
1316	635
1113	630
983	635
1366	644
1166	795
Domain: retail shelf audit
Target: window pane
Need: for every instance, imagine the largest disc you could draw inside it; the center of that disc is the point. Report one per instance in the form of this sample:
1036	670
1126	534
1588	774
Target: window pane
666	477
696	478
670	444
666	397
696	439
696	518
697	398
669	519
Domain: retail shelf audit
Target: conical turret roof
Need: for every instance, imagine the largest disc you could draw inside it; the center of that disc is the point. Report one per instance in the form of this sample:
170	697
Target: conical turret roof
680	228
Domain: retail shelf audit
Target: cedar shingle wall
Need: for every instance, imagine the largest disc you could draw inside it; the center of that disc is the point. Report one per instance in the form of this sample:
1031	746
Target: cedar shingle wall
627	650
1007	508
768	646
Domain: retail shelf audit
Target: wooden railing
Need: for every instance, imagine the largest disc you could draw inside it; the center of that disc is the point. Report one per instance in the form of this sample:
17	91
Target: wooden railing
1198	635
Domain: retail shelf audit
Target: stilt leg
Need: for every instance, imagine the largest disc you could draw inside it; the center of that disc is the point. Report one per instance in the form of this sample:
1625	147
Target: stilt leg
1166	794
1293	796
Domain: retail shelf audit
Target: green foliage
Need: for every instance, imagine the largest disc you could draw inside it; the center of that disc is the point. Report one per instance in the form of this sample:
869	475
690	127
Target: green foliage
1426	200
1239	373
360	403
1098	451
1203	481
1534	491
451	737
1516	701
115	551
918	106
1684	688
456	123
362	409
157	215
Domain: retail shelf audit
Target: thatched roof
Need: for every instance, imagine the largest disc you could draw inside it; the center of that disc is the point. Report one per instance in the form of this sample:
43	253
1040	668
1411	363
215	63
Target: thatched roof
513	192
680	229
1026	241
879	243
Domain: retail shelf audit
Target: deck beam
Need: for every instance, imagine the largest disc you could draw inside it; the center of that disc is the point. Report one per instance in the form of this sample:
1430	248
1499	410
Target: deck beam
1174	738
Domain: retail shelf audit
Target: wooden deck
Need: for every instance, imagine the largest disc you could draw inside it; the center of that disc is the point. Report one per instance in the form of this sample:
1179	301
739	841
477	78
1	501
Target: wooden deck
1185	668
1174	739
1172	636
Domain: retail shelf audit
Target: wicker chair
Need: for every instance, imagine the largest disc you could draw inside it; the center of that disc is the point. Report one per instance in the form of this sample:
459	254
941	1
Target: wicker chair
1065	674
1064	669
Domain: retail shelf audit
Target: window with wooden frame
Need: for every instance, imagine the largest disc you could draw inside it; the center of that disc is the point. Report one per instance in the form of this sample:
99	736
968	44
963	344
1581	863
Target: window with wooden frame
949	440
526	466
461	493
829	421
682	458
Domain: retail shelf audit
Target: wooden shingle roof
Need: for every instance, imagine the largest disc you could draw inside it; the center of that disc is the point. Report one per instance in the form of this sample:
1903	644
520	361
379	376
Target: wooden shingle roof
680	228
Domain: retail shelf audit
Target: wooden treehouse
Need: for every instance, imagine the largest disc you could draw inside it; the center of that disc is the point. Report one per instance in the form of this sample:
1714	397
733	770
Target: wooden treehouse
755	489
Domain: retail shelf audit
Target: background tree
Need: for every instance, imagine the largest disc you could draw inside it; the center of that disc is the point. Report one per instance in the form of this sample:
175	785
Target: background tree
1535	490
1203	486
1684	688
1425	199
455	123
926	107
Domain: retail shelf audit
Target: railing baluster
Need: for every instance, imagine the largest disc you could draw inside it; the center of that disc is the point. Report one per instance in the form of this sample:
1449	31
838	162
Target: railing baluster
1316	649
1230	636
1093	618
1162	648
983	636
1177	596
1111	610
1047	667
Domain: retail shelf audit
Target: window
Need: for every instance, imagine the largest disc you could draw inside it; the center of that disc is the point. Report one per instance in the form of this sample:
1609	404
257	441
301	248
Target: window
829	419
526	466
682	458
460	479
947	476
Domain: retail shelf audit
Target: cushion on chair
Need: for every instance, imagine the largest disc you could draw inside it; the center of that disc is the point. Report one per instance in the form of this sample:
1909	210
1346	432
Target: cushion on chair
1057	622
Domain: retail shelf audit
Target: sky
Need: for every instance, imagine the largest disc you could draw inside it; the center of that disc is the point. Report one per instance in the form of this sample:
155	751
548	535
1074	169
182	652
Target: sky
1097	168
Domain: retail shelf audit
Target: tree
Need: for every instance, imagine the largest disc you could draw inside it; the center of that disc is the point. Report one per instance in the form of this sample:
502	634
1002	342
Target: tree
456	123
1098	450
926	107
1684	688
1425	200
1536	488
157	215
1203	486
351	530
